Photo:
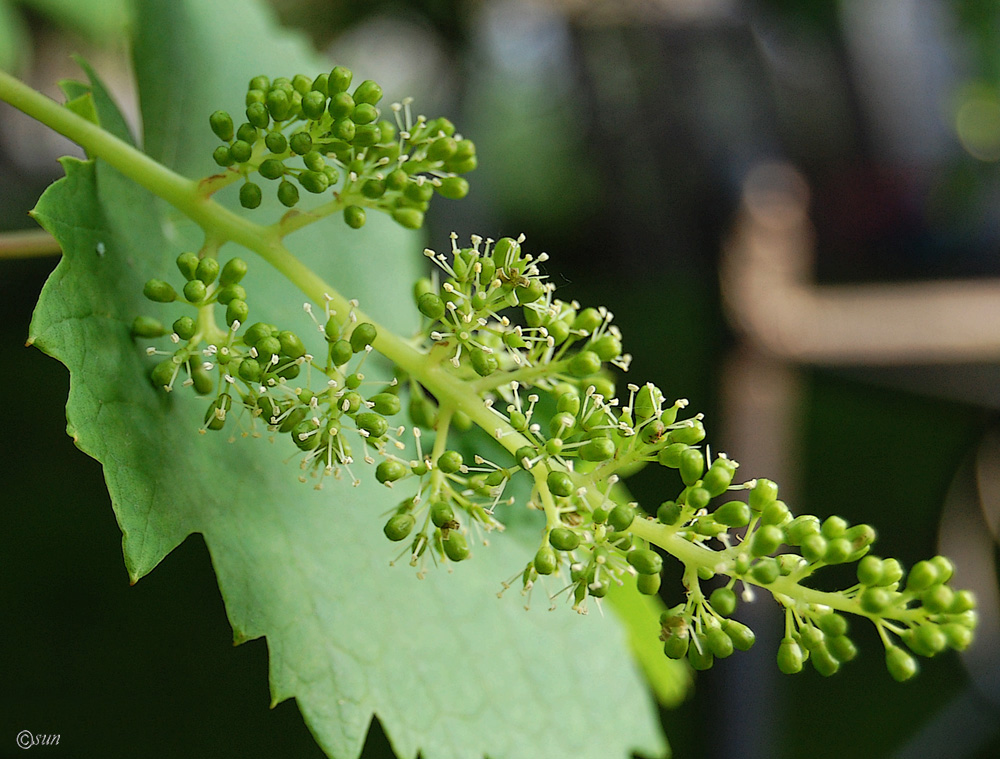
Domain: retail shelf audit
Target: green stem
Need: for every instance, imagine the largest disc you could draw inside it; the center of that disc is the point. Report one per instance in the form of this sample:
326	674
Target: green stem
32	243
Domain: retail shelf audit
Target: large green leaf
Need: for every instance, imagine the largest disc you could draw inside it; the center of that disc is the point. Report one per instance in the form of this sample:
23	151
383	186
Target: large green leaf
450	670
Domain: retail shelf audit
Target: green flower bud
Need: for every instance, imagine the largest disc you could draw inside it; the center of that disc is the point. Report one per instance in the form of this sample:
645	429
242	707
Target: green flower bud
399	527
442	515
733	514
789	656
484	363
669	512
900	664
389	470
195	291
455	546
278	105
258	116
288	194
875	600
564	539
723	600
720	644
801	527
621	517
742	636
250	195
700	659
237	311
364	334
148	327
340	352
545	561
645	561
250	370
597	449
584	363
222	124
763	493
559	483
354	216
410	218
159	291
374	424
814	548
766	571
648	585
386	404
208	270
185	327
339	79
938	599
223	156
368	92
364	113
453	188
923	575
692	465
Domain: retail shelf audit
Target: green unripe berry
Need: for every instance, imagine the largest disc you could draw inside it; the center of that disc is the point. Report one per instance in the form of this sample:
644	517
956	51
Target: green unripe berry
288	194
723	600
223	156
559	483
399	527
645	561
374	424
410	218
233	272
789	656
237	311
222	125
354	216
648	585
250	195
148	327
564	539
368	92
159	291
389	470
763	493
621	518
597	449
185	327
545	561
195	291
364	334
692	465
733	514
900	664
453	188
455	546
584	363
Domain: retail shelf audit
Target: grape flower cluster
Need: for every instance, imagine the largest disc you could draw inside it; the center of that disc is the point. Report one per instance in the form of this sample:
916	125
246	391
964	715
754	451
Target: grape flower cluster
497	349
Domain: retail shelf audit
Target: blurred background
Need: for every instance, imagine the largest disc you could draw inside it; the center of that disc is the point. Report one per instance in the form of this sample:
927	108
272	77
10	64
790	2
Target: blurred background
791	206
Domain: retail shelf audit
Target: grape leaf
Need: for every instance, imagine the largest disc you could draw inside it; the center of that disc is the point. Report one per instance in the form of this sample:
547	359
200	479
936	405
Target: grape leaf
450	670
